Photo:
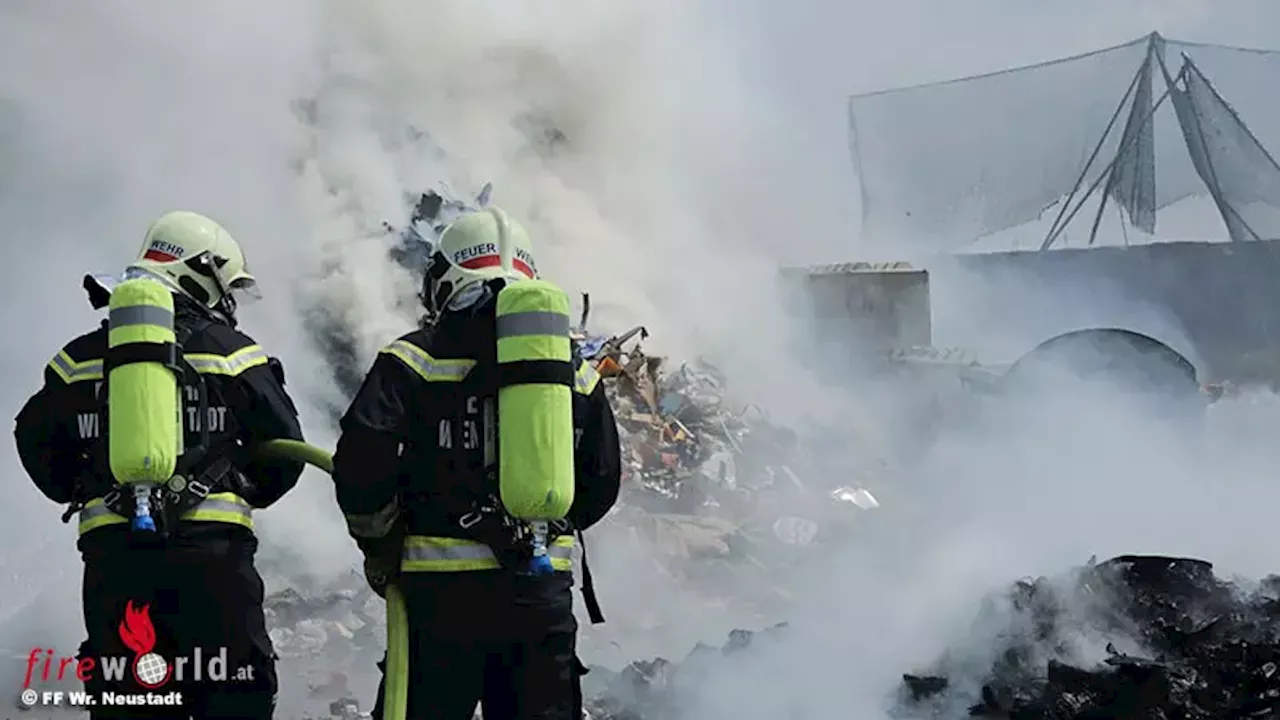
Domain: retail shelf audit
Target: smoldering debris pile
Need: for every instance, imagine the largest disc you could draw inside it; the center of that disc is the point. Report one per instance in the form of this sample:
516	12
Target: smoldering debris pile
643	690
723	494
303	624
652	689
688	450
325	635
1136	637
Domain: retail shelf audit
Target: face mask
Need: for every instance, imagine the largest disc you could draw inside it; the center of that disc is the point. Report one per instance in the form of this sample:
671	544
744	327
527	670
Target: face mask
466	297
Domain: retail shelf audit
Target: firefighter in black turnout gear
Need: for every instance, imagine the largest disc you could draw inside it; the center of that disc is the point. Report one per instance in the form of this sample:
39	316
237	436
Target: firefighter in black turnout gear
192	579
418	481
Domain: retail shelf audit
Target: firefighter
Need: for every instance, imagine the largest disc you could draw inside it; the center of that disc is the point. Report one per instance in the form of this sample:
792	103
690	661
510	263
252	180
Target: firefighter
183	583
417	480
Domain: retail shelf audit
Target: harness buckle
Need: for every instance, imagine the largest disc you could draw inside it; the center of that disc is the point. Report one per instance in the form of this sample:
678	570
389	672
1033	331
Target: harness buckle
199	489
470	520
75	507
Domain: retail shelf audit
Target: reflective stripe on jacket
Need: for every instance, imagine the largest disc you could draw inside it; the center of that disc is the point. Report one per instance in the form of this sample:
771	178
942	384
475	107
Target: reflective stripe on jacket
217	507
72	371
433	369
440	554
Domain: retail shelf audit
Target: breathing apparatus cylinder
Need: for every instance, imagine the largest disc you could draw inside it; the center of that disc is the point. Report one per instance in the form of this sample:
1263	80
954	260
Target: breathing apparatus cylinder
535	407
144	405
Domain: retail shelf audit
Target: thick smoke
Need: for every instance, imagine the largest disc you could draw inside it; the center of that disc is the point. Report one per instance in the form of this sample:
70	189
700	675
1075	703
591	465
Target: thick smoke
699	146
1017	488
111	114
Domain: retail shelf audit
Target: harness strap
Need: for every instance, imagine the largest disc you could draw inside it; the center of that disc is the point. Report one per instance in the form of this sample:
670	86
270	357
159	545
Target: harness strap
164	353
218	507
188	489
588	585
489	524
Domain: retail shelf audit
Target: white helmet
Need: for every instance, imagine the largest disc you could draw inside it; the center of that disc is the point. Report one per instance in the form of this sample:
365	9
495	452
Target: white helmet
197	257
474	249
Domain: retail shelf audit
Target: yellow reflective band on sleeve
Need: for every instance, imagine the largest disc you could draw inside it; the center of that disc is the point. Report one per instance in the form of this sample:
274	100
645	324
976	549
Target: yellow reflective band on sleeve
431	369
71	371
585	379
95	515
223	508
233	364
440	554
217	507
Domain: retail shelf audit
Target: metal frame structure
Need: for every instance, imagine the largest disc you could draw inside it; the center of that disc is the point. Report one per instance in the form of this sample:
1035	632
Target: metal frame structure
1128	178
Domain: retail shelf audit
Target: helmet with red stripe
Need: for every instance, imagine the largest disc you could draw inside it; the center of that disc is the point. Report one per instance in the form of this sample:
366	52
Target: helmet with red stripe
473	250
197	257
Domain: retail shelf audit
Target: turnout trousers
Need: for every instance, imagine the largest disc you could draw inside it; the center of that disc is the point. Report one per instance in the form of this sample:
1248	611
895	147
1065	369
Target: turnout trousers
505	641
203	598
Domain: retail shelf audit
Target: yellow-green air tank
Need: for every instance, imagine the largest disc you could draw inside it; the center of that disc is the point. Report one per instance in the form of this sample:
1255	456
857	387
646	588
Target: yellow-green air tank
144	405
535	400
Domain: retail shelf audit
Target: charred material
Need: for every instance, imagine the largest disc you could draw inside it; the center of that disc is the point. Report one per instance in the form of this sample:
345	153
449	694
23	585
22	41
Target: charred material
1177	643
328	637
652	689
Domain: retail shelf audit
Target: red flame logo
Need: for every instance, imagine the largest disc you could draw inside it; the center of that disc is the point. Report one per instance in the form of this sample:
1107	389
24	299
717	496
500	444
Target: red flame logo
136	629
139	635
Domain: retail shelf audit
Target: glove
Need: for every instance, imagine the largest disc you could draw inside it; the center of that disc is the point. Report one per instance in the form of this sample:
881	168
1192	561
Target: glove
381	560
379	574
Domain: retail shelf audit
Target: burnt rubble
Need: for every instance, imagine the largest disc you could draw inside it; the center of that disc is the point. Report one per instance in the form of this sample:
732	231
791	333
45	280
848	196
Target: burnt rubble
653	689
1171	642
725	500
695	459
1135	637
328	637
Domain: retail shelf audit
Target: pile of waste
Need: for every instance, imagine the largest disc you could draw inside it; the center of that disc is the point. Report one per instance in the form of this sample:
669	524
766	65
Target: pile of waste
643	690
686	447
716	487
326	635
1136	637
652	689
678	437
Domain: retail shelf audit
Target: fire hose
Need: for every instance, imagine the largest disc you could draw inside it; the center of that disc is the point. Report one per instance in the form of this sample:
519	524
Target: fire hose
395	690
